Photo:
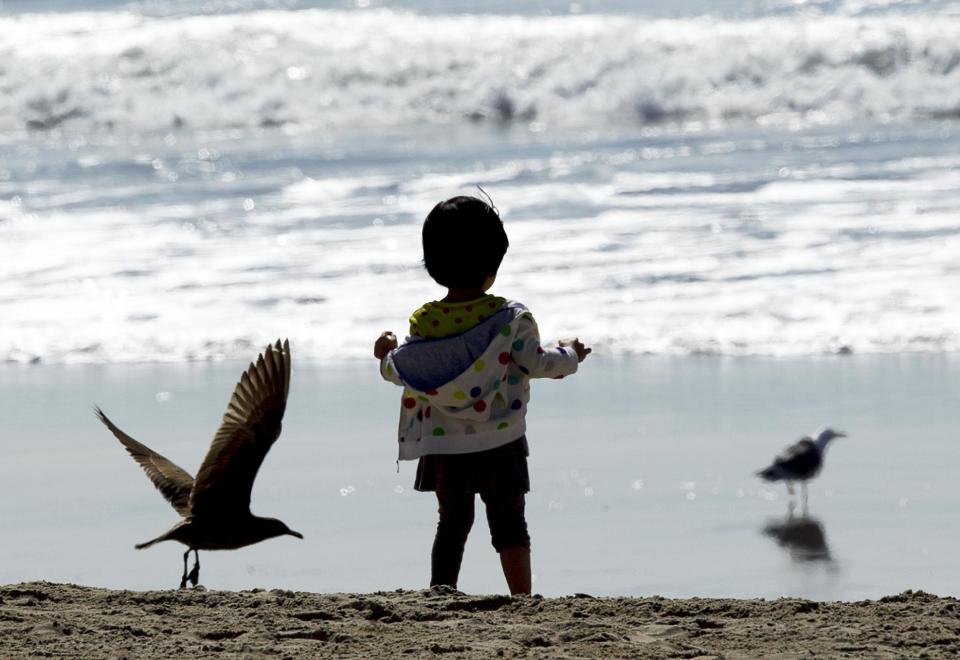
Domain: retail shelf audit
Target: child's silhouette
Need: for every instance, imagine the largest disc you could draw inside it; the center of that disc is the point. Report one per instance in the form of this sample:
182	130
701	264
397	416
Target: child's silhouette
466	370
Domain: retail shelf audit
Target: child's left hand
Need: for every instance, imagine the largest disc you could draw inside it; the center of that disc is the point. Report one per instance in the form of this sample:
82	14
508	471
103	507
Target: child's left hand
386	342
578	348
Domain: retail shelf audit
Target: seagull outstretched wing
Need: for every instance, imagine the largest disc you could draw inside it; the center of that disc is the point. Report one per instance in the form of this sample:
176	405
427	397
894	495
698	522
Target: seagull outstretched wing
250	427
172	481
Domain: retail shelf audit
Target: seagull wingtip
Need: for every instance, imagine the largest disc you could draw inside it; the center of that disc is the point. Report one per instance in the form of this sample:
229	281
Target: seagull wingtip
281	347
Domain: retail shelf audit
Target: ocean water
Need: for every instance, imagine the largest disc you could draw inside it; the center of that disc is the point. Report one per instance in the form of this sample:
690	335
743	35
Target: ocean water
186	181
750	209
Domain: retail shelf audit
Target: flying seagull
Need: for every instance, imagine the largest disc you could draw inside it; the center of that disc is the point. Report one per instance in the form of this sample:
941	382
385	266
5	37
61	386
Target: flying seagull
216	505
800	461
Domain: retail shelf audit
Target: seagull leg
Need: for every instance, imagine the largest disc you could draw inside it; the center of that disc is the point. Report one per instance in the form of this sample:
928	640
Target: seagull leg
183	579
790	489
194	576
803	490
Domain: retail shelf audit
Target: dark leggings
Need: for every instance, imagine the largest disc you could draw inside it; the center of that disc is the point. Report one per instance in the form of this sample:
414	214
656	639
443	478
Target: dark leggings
508	529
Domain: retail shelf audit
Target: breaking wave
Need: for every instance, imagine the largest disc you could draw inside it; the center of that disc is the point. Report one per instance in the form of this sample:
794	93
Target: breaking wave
320	69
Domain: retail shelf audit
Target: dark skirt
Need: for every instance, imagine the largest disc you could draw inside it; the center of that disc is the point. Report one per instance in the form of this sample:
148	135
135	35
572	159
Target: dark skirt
502	470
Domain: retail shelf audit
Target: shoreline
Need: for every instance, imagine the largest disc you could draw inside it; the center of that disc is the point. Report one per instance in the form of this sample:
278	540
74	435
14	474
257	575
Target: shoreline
63	620
364	361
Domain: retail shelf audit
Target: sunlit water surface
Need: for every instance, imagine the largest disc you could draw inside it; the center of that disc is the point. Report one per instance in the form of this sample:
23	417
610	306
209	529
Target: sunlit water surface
773	178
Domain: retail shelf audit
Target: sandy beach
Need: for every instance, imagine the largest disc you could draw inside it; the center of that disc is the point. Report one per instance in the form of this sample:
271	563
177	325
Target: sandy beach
41	619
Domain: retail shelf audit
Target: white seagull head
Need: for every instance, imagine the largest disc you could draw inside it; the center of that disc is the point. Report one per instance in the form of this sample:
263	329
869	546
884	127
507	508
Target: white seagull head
826	434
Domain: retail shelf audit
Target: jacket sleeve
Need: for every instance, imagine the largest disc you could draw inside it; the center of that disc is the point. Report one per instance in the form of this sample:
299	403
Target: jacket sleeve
388	370
536	361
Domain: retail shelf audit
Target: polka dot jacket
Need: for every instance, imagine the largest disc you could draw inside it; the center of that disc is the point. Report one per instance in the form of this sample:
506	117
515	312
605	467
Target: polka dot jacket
468	392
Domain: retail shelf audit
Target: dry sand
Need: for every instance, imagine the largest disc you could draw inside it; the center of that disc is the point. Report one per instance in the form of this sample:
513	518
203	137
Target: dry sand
41	619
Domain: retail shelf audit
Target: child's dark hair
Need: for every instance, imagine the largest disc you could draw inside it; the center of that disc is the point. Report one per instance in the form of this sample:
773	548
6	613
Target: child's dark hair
463	242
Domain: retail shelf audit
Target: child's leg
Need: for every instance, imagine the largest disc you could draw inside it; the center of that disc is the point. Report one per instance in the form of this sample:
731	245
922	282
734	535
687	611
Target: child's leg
456	519
515	562
508	531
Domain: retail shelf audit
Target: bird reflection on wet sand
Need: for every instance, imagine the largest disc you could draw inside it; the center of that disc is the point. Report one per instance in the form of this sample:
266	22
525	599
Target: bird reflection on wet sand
803	537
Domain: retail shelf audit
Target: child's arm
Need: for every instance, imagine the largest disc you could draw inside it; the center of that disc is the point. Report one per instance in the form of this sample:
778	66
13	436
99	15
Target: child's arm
385	343
539	362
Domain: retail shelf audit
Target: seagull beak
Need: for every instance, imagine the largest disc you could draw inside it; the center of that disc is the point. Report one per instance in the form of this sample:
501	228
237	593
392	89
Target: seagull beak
297	534
839	434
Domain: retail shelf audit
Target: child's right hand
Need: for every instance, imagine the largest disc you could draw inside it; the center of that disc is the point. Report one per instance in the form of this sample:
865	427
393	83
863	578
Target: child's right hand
386	342
578	348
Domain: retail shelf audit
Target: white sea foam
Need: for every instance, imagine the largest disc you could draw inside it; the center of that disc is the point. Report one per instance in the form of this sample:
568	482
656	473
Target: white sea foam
750	243
322	69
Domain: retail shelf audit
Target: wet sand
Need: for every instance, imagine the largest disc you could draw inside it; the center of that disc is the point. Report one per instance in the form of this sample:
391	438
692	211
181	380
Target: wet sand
642	470
41	619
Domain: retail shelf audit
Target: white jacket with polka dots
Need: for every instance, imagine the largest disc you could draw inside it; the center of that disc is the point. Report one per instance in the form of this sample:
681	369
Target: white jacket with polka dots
469	392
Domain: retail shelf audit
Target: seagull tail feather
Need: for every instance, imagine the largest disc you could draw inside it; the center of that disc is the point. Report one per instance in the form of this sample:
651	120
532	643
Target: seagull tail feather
769	473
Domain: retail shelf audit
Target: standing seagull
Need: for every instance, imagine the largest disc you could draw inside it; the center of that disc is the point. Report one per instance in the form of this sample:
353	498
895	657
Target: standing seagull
216	505
800	461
